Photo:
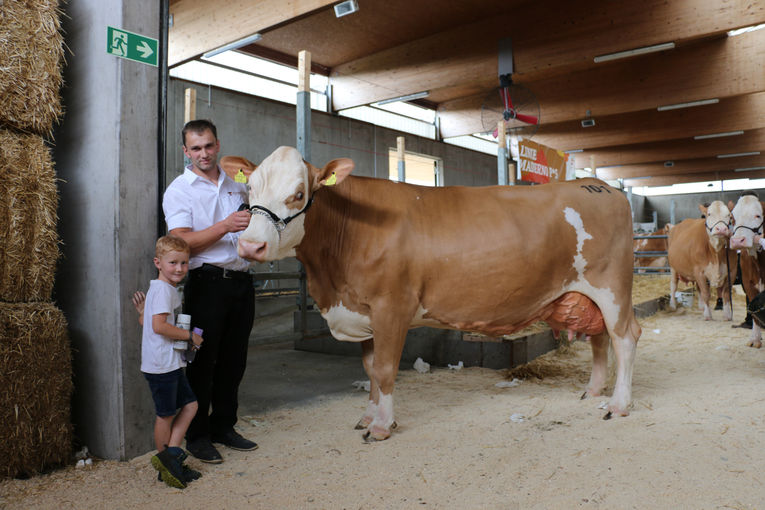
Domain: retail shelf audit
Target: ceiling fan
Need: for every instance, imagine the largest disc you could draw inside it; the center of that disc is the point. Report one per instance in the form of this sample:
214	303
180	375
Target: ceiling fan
511	102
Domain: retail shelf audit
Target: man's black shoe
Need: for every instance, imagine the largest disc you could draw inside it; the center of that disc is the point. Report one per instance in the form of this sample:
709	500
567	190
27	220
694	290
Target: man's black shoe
233	440
203	449
745	325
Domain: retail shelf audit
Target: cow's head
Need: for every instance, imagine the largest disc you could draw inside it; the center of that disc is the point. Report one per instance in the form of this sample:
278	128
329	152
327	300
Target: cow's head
281	189
717	219
748	217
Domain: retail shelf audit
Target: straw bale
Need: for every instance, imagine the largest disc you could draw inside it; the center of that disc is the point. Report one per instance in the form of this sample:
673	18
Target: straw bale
29	246
31	60
36	382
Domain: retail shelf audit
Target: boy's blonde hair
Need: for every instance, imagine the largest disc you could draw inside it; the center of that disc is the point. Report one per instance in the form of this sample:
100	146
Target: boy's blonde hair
166	244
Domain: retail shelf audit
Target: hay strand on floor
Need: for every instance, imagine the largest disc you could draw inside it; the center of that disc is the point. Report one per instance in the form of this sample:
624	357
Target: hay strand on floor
31	61
36	378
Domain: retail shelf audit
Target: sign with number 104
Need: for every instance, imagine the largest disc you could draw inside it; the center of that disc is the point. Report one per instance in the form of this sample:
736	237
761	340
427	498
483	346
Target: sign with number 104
124	44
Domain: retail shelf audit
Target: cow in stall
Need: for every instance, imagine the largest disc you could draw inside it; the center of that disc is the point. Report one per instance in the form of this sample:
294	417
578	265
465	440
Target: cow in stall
698	253
382	257
748	223
644	243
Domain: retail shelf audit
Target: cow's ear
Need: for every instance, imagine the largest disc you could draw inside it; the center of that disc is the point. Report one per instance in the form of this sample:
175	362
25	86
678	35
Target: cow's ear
236	167
333	172
703	209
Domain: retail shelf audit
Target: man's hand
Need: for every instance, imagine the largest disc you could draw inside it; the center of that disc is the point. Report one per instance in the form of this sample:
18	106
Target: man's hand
237	221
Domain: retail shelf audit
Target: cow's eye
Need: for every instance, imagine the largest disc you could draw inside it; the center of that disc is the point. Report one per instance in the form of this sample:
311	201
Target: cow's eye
299	195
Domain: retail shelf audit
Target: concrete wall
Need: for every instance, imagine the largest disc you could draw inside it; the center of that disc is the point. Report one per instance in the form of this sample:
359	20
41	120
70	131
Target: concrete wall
106	157
685	206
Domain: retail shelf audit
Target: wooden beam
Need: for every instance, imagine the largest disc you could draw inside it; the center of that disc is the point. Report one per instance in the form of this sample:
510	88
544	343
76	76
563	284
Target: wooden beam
702	177
199	26
688	166
439	61
718	68
674	150
737	113
189	105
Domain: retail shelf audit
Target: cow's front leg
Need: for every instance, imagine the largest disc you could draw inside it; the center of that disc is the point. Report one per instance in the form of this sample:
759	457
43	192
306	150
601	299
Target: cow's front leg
388	345
672	289
724	292
703	285
755	338
367	360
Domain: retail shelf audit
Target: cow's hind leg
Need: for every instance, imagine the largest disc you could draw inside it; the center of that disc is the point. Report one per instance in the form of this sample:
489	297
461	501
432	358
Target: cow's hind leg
624	352
597	384
367	360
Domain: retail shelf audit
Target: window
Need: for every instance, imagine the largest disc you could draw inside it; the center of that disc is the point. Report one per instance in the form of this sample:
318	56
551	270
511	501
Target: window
418	169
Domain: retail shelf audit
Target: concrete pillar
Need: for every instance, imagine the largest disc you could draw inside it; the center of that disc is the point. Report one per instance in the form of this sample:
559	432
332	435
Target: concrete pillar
501	154
106	155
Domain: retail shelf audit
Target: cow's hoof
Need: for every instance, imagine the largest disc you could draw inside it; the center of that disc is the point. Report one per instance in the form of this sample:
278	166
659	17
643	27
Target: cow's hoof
375	434
756	345
363	424
608	416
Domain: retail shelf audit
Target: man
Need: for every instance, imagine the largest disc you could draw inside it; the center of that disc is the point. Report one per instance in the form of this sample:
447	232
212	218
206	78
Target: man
201	207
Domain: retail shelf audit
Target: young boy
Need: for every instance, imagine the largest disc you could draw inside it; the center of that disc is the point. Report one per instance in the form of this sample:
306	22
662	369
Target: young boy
162	365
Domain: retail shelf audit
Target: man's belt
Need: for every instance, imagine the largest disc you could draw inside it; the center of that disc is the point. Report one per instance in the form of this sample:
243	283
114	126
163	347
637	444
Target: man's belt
220	272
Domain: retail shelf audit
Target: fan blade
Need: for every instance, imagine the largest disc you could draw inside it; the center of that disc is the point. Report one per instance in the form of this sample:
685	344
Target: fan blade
528	119
495	132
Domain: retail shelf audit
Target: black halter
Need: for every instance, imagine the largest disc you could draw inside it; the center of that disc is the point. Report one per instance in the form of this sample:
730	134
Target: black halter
279	223
757	230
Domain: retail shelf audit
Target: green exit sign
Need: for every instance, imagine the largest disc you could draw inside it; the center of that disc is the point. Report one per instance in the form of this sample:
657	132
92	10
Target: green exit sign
124	44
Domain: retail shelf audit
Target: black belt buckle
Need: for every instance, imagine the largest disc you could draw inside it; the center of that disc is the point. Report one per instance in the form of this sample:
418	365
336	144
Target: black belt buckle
226	273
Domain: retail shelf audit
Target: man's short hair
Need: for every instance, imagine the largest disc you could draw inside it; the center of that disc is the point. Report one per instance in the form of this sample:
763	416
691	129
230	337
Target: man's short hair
198	126
166	244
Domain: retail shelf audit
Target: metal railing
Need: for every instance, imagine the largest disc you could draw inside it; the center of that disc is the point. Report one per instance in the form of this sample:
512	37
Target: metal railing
644	254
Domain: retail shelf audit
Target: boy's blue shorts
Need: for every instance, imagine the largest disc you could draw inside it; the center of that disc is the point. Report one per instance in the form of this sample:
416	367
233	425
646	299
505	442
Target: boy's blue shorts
170	391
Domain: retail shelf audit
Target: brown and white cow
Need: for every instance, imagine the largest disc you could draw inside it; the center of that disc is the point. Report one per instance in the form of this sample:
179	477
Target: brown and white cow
382	257
748	222
698	253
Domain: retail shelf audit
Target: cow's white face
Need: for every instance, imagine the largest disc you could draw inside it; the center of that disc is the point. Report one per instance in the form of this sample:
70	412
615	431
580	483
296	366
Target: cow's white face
281	185
717	220
279	190
748	222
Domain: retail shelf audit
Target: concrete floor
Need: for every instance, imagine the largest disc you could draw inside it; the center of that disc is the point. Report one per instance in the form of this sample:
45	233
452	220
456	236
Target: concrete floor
278	375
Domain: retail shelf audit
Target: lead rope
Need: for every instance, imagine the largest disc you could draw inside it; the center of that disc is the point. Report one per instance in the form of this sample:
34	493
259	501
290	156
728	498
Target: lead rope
730	286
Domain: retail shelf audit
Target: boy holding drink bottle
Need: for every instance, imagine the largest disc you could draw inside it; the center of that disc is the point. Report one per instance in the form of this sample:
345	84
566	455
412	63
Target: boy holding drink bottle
162	364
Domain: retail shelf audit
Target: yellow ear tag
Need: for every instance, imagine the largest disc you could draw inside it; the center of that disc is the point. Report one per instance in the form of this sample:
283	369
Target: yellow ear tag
240	177
332	180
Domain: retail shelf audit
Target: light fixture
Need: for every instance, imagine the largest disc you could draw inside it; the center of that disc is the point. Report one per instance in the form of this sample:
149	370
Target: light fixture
345	8
588	123
234	45
636	51
669	164
687	105
409	97
740	31
749	169
739	154
574	151
718	135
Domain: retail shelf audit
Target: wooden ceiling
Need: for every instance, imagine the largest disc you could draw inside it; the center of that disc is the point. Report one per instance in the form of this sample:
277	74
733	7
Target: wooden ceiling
391	48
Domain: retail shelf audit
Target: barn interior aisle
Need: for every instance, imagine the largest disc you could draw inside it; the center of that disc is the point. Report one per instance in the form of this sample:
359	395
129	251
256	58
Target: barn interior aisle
693	440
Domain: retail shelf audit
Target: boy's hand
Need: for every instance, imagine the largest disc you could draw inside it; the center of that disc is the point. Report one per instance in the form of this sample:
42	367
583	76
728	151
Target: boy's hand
197	341
139	300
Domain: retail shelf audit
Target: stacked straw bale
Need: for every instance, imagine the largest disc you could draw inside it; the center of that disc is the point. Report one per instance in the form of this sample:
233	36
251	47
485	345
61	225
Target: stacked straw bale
28	202
36	378
35	356
31	56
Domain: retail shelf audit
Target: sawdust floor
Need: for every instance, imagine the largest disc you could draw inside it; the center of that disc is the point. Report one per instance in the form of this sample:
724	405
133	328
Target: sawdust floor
694	439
